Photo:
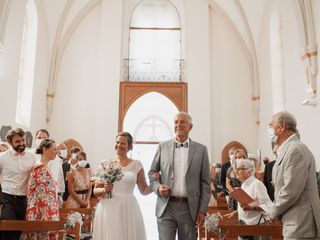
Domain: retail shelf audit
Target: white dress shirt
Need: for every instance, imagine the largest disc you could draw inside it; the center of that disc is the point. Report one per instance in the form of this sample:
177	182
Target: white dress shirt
256	190
15	171
55	167
180	165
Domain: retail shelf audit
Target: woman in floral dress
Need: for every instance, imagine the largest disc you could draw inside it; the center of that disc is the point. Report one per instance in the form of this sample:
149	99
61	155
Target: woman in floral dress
42	198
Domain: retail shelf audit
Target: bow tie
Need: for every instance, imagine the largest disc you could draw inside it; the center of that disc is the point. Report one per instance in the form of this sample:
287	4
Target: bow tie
19	154
179	145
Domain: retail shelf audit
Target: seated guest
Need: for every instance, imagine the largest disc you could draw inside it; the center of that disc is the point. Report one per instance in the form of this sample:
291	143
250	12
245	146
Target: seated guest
15	167
66	166
79	187
250	214
42	197
232	182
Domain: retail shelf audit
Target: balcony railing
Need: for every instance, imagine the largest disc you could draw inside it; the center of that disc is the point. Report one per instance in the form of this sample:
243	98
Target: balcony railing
153	70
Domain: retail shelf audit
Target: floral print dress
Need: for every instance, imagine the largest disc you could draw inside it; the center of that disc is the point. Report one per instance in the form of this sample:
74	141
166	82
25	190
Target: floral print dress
42	193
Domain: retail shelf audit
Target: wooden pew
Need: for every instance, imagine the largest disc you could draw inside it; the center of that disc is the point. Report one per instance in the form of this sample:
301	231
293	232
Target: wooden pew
38	226
233	229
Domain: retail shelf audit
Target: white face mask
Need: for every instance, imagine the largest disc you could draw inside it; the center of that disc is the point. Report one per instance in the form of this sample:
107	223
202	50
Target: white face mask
63	153
74	156
271	135
231	157
82	163
38	142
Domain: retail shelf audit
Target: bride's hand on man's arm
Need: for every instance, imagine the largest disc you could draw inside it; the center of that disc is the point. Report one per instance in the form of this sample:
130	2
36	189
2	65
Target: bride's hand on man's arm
155	176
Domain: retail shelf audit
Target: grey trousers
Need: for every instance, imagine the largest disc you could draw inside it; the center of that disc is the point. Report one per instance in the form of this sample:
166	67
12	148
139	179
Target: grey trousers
176	219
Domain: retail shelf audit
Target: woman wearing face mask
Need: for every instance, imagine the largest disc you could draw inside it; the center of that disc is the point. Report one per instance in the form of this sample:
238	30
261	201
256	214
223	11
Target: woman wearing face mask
232	182
42	197
79	185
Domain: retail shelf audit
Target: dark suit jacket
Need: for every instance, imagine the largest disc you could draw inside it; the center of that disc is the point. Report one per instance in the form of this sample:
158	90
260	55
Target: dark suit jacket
267	179
223	177
65	169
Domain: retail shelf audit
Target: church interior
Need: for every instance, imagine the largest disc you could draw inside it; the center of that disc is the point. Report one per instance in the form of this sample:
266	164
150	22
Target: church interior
87	69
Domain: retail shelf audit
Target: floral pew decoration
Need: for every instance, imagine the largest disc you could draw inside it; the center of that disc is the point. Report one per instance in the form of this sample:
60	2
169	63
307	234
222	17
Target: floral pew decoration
72	219
212	224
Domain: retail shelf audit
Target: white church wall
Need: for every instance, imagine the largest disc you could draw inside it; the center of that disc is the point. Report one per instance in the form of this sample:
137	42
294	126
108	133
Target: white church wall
9	63
308	117
109	69
232	109
266	96
10	67
294	78
198	70
38	111
75	103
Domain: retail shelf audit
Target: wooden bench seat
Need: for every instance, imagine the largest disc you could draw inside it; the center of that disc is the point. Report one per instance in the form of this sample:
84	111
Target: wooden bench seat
39	226
233	229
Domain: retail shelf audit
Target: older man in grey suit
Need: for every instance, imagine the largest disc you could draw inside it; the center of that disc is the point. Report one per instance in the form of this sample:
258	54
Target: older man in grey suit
184	186
294	176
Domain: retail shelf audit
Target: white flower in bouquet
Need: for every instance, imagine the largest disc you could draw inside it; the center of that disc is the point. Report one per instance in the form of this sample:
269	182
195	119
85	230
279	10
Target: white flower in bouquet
72	219
212	222
109	171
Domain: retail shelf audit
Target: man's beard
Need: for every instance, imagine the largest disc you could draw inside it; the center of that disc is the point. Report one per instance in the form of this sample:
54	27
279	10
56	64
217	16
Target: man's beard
20	148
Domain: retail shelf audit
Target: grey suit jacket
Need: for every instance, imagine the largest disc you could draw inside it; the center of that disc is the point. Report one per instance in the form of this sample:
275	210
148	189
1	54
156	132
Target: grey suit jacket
197	177
296	193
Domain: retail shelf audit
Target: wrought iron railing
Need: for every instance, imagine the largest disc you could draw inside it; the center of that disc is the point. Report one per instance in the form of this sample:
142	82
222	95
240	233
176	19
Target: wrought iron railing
153	70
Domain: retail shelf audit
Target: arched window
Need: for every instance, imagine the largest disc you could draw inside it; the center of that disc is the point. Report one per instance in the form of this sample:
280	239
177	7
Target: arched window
150	118
27	65
276	54
155	42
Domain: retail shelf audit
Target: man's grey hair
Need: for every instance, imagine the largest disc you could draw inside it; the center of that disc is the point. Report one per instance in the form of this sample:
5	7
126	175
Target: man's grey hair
185	114
246	163
287	119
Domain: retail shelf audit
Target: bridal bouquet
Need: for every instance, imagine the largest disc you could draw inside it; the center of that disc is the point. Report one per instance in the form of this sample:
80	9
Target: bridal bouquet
109	172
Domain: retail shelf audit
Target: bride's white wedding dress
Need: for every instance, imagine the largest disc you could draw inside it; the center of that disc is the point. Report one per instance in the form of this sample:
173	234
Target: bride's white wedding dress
120	218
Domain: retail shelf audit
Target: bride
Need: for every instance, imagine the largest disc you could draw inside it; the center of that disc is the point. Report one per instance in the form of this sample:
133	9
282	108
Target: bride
120	217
